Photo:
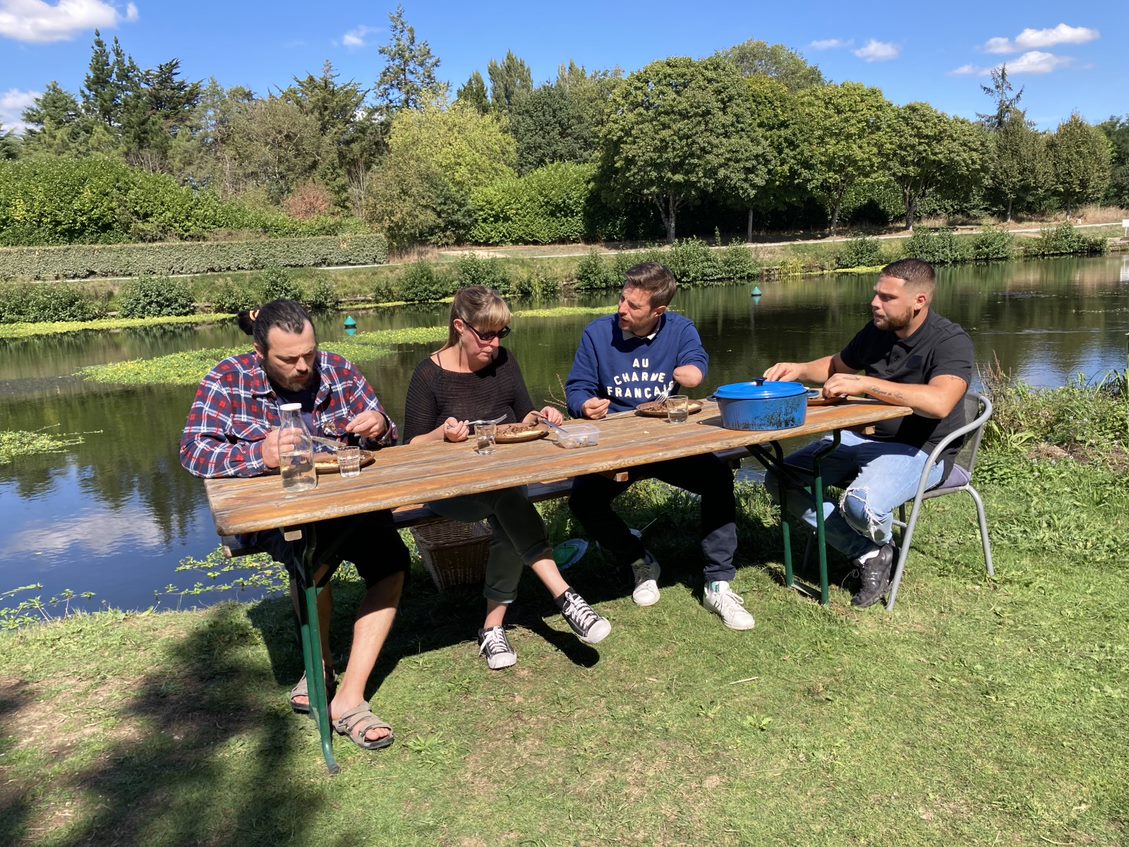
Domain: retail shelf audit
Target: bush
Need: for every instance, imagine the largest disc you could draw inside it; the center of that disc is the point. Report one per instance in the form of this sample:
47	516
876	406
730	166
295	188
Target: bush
738	262
42	302
1063	240
936	246
276	284
545	206
860	253
230	297
86	260
156	297
992	243
421	283
692	261
595	274
101	200
323	297
471	270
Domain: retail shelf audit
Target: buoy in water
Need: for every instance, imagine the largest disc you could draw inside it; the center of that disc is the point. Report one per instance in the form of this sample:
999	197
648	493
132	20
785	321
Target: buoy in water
756	291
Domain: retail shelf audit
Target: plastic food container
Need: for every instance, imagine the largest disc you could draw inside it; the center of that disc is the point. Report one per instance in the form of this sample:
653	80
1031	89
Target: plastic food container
760	405
578	435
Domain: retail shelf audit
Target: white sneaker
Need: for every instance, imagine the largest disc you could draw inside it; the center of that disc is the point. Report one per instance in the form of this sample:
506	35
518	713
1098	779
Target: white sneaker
727	605
493	644
646	572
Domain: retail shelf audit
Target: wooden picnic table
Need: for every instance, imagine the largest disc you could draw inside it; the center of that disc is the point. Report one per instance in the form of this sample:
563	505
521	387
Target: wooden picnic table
421	473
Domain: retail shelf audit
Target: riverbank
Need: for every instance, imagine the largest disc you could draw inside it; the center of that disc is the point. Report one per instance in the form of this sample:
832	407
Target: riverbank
978	712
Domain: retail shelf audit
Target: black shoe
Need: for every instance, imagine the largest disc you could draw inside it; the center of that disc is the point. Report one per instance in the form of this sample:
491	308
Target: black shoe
874	577
589	627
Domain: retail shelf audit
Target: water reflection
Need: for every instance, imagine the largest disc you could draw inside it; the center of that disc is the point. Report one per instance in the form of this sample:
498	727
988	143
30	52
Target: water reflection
115	514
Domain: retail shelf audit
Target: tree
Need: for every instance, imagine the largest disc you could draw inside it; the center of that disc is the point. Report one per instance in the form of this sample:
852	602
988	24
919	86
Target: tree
676	131
510	80
101	94
1007	104
276	147
1017	163
846	138
561	122
408	78
54	123
1080	157
473	94
204	155
9	144
935	153
756	58
1117	131
437	158
771	103
351	141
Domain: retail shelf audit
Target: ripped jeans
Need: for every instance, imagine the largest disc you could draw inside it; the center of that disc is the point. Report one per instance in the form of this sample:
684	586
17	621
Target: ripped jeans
876	478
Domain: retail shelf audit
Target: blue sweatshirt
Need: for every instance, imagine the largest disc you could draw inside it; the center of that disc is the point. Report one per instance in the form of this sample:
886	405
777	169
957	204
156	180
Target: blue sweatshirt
632	371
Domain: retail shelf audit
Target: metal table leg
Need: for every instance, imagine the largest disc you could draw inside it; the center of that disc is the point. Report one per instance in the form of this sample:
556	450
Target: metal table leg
821	537
311	647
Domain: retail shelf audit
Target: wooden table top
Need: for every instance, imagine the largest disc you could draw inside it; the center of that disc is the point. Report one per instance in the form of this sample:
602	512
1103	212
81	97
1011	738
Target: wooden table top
420	473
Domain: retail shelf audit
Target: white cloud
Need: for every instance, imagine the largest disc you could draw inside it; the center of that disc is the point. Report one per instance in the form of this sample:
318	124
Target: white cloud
1031	39
969	70
12	105
40	22
830	44
356	36
878	51
1037	62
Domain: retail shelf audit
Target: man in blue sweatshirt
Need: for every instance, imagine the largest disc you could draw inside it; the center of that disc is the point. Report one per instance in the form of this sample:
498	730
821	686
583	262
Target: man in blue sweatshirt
627	359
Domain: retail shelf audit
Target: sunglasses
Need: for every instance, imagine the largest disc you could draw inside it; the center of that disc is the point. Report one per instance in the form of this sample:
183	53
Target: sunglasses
487	337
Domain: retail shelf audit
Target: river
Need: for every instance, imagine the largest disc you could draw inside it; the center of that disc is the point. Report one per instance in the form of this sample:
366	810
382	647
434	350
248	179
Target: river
115	514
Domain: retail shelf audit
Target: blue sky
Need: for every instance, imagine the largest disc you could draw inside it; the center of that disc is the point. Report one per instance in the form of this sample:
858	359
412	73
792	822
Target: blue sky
1067	57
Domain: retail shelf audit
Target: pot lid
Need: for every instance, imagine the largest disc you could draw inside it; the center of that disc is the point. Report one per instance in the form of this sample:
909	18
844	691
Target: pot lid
759	389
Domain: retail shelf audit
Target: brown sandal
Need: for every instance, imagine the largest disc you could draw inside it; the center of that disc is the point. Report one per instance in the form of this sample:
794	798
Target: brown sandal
302	689
356	723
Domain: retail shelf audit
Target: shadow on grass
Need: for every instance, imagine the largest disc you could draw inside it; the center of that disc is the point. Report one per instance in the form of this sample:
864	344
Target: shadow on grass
197	724
15	798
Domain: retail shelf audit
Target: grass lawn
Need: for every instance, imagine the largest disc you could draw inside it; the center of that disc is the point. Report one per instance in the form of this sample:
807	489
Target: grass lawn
975	713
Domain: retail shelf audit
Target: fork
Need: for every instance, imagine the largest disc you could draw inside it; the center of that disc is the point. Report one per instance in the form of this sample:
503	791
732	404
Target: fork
662	395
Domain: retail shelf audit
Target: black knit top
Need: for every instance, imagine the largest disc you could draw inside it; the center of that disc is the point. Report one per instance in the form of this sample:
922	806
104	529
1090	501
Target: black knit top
435	394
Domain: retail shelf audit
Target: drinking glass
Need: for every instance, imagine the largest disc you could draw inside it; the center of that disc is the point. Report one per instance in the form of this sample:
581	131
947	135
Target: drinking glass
484	435
677	408
349	461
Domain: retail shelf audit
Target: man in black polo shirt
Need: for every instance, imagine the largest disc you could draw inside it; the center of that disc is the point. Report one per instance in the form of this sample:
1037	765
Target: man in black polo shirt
908	356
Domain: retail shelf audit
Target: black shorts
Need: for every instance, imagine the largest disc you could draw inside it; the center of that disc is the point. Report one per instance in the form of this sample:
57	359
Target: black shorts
370	541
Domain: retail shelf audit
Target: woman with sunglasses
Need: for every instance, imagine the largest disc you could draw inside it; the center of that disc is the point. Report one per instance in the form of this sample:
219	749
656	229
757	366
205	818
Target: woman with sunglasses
473	377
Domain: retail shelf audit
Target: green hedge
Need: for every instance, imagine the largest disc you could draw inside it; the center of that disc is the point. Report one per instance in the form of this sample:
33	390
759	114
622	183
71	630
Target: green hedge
116	260
546	206
48	302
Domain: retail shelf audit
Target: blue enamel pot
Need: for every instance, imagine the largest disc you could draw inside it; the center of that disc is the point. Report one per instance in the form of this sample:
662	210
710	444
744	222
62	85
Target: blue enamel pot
761	405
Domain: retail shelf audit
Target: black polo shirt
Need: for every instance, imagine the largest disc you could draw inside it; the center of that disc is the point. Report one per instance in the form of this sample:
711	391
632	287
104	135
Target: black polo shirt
939	347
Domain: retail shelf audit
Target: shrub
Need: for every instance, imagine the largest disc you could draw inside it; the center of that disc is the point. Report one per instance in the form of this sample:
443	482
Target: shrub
594	274
85	260
992	243
936	246
472	270
276	284
422	283
738	262
1063	240
309	200
545	206
231	297
42	302
156	297
860	253
323	296
692	261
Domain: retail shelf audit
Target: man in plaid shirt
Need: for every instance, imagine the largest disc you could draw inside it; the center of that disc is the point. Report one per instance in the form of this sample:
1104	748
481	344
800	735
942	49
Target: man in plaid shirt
232	430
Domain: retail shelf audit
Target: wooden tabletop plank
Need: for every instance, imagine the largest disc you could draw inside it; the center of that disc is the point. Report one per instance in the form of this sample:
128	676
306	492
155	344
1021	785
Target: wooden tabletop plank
435	471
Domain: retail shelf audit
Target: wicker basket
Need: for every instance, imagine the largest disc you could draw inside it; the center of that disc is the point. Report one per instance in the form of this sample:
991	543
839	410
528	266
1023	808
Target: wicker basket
453	552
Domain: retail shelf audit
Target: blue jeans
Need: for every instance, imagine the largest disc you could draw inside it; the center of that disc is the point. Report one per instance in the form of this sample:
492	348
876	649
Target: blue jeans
876	478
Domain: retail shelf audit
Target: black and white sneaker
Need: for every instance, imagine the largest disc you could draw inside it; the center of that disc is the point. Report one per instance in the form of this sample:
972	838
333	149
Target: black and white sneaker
493	644
588	626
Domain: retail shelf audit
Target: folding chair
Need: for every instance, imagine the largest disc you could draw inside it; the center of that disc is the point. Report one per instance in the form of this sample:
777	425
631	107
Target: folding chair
977	410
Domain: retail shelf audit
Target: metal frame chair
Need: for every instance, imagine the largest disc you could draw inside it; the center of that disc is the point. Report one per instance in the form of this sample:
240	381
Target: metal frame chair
978	409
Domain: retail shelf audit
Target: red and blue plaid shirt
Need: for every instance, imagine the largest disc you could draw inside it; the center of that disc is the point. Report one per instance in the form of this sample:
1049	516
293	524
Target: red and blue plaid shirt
236	406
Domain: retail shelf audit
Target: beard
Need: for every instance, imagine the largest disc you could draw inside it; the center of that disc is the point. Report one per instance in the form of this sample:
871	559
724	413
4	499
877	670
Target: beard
288	383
